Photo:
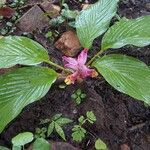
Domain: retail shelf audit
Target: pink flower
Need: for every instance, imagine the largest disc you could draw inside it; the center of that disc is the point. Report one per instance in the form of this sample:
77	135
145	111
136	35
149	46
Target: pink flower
80	70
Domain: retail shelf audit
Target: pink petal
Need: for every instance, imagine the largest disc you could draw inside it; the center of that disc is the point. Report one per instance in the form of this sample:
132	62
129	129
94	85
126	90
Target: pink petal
71	78
70	63
85	72
82	57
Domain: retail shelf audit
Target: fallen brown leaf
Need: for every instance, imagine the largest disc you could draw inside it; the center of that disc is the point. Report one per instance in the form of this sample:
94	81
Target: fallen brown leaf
6	12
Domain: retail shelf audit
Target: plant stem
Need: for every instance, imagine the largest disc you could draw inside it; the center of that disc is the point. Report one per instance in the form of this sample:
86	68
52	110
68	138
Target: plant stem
94	57
58	66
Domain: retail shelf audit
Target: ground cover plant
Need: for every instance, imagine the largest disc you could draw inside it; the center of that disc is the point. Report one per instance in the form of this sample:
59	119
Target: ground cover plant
31	80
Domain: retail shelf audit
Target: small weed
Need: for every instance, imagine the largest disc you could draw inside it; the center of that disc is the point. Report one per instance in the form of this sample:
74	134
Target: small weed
100	145
78	96
78	131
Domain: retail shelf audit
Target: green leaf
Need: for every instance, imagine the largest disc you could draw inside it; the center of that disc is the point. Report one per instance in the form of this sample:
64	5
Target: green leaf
100	145
41	144
62	121
81	119
50	128
91	116
83	95
74	96
128	32
60	131
94	21
21	50
16	147
78	92
78	133
78	100
22	138
57	116
126	74
22	87
3	148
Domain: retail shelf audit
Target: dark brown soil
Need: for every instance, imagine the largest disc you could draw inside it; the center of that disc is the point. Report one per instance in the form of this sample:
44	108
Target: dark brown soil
121	120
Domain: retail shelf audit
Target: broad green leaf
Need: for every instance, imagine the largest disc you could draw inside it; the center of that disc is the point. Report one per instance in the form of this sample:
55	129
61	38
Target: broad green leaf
60	131
128	32
41	144
94	21
22	138
100	145
126	74
21	50
3	148
50	128
62	121
22	87
16	147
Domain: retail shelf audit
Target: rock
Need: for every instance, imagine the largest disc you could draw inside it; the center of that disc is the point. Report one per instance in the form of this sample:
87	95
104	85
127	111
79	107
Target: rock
68	43
63	146
124	147
32	20
52	10
35	1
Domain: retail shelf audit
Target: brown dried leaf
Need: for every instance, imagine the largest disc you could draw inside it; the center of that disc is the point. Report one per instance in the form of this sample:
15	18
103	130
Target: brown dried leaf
7	12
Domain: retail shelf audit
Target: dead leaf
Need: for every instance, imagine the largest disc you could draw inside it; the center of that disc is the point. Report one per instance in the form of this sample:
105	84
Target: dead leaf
7	12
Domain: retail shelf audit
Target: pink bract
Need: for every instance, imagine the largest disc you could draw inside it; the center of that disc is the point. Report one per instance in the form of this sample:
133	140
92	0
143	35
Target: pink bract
77	65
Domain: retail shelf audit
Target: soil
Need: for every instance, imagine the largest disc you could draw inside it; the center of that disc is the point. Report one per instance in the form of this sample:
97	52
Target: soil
122	122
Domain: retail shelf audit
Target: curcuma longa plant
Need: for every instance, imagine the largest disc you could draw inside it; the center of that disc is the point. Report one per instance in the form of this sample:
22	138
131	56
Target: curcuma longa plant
128	75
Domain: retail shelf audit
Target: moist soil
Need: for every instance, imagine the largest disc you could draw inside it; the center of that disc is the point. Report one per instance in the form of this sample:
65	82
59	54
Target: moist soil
123	123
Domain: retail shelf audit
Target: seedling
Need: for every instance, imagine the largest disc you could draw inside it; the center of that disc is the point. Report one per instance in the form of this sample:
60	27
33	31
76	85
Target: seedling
56	124
79	132
49	35
78	96
66	15
126	74
22	139
40	132
100	145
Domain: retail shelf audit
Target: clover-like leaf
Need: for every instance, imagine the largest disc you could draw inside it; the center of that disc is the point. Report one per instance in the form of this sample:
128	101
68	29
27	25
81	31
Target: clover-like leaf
50	128
62	121
60	131
126	74
22	87
57	116
91	116
21	50
128	32
78	133
94	21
